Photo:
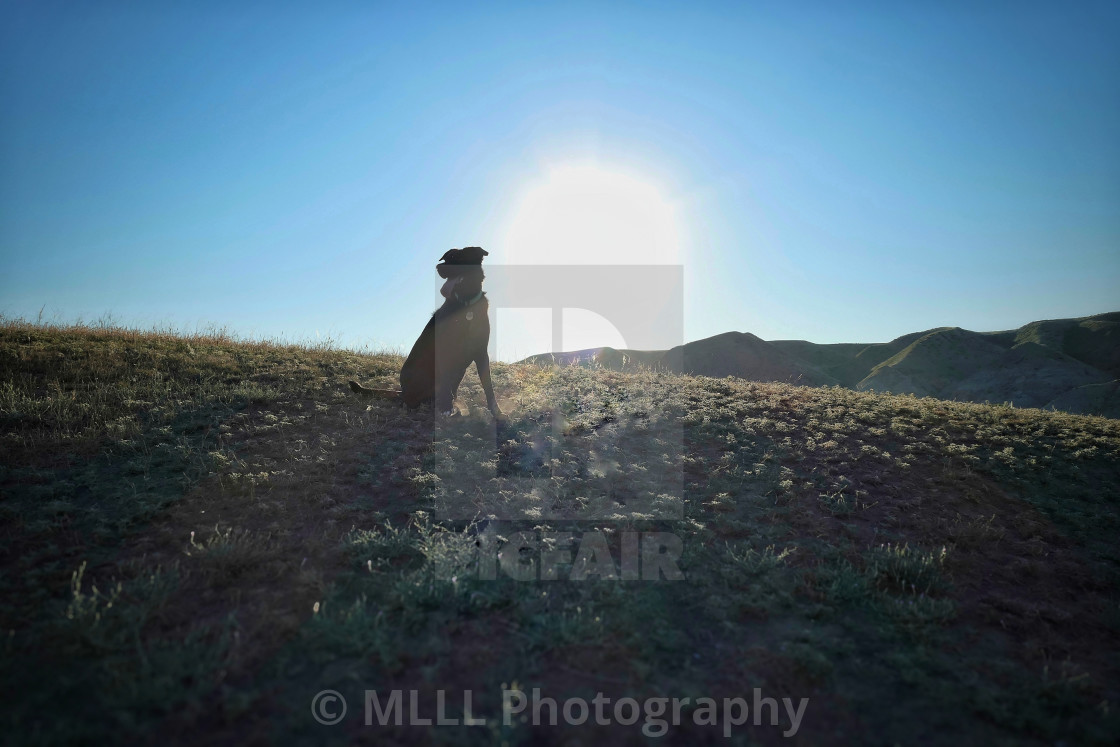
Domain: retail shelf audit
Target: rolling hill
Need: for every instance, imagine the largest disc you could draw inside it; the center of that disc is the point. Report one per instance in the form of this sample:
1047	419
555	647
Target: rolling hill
201	536
1063	364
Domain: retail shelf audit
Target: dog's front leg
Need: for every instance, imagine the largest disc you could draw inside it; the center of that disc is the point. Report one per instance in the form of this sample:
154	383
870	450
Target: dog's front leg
444	400
482	363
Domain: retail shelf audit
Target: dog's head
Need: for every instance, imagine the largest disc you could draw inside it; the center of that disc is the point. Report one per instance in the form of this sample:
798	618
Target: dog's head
456	262
462	269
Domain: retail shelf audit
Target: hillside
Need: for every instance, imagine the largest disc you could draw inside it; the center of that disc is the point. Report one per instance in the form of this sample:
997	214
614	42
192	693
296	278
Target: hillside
200	534
1063	364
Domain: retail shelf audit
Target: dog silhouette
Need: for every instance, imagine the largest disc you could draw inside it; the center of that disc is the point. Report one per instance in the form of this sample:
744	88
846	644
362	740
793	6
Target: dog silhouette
457	335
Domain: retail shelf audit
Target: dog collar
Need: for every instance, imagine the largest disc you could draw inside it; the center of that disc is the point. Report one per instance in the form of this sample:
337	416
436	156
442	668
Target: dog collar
473	299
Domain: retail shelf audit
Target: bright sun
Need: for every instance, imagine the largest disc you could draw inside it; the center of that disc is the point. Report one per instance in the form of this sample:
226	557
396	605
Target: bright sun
582	214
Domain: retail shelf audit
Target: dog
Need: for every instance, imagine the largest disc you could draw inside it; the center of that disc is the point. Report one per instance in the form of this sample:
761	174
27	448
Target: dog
457	335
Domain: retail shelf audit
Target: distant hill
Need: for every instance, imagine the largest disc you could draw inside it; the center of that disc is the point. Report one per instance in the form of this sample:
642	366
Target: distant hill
1064	364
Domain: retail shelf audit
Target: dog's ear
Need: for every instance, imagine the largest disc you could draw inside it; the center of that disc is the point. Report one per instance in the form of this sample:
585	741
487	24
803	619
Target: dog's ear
469	255
474	254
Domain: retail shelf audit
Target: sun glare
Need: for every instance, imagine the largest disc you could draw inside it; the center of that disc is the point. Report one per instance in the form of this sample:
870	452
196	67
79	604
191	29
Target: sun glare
582	214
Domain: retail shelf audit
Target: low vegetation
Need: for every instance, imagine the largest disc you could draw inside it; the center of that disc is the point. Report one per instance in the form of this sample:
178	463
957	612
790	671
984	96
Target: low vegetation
200	533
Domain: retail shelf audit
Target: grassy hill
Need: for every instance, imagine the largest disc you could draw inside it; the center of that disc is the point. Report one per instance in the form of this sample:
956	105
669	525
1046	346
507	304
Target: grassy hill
1064	364
199	534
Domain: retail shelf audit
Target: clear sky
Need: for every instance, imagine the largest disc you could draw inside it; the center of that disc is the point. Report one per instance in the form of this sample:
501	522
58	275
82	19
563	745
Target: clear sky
832	172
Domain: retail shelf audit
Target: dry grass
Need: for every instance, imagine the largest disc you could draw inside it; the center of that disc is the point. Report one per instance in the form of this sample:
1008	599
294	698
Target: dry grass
923	571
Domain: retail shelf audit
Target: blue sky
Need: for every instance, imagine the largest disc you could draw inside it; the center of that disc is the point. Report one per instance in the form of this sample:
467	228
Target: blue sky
836	174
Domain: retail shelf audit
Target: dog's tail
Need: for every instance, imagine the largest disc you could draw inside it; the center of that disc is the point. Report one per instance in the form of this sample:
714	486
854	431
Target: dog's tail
368	393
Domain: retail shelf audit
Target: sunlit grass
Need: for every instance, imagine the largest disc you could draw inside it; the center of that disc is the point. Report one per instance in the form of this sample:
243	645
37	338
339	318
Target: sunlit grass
256	534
